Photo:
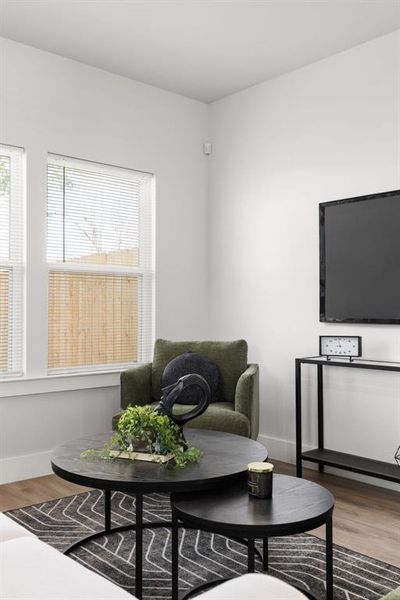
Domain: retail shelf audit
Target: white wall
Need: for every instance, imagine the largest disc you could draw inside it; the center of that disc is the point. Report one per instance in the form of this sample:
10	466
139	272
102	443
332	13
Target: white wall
52	104
330	130
324	132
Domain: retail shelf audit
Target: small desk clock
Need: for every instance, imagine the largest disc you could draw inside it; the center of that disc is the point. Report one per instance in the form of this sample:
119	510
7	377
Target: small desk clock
340	345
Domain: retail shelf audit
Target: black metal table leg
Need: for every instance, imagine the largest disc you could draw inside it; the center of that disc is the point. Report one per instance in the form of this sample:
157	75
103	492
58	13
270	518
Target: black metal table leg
107	510
245	542
329	559
320	384
265	554
299	469
175	556
139	547
250	556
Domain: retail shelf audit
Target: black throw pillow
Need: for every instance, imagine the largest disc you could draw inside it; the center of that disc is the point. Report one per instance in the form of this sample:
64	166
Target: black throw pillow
190	362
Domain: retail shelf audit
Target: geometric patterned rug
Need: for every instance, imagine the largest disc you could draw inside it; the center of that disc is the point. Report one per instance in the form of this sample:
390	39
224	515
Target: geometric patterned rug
299	559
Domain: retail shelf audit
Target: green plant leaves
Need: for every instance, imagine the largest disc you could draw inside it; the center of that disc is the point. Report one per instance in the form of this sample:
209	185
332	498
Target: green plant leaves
141	425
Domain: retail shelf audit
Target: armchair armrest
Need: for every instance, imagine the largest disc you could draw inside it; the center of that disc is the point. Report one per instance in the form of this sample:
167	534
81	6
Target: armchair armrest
247	397
136	385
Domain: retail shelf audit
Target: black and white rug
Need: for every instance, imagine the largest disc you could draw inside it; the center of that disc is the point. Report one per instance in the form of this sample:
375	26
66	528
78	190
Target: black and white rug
299	560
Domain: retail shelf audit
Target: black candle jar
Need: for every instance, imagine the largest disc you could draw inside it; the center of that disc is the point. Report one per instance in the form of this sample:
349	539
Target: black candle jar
259	480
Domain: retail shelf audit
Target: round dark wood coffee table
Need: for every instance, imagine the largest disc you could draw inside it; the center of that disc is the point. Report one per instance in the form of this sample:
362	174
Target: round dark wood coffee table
296	506
224	461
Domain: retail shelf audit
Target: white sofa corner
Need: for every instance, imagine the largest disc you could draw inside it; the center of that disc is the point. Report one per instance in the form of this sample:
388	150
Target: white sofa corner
10	530
33	570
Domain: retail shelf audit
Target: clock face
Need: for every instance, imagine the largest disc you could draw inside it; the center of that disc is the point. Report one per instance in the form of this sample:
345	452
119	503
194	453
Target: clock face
340	345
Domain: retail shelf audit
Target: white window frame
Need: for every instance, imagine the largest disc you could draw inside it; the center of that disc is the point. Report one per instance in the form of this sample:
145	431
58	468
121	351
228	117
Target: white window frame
15	265
35	378
145	270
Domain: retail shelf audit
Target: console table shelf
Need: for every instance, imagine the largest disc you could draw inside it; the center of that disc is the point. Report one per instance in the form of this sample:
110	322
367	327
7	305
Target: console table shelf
332	458
351	462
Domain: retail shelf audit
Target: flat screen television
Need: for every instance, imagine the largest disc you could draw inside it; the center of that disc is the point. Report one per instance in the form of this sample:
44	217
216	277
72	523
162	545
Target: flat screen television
360	259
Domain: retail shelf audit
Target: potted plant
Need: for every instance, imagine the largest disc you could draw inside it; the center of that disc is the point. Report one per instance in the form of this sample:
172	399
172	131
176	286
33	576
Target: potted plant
142	429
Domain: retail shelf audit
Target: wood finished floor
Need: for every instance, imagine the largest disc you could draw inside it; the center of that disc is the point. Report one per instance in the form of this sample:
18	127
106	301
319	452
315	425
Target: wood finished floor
366	517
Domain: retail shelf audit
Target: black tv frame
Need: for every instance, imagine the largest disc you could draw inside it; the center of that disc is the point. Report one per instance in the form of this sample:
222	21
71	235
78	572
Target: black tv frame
322	261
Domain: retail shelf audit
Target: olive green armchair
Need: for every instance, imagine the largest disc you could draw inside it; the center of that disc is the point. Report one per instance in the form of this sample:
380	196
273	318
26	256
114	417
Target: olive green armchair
237	411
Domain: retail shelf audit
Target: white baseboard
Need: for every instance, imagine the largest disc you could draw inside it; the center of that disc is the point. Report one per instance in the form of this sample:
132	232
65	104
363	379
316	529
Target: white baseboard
285	450
26	466
278	448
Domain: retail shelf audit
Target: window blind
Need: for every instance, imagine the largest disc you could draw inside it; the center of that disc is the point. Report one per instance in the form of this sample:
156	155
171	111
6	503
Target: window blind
11	260
100	255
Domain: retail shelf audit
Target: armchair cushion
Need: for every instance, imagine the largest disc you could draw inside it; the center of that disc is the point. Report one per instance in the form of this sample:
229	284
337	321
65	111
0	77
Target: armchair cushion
219	416
230	358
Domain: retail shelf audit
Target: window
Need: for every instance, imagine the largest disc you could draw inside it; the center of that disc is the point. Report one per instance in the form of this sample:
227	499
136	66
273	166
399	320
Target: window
100	266
11	260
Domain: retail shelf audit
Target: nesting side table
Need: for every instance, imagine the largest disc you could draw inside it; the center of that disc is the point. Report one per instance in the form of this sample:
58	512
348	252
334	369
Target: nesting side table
296	506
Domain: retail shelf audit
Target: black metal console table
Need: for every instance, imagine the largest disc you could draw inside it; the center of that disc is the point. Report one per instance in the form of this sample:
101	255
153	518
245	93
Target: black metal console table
321	455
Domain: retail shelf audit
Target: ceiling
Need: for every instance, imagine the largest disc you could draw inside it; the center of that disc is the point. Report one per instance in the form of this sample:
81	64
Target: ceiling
205	49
